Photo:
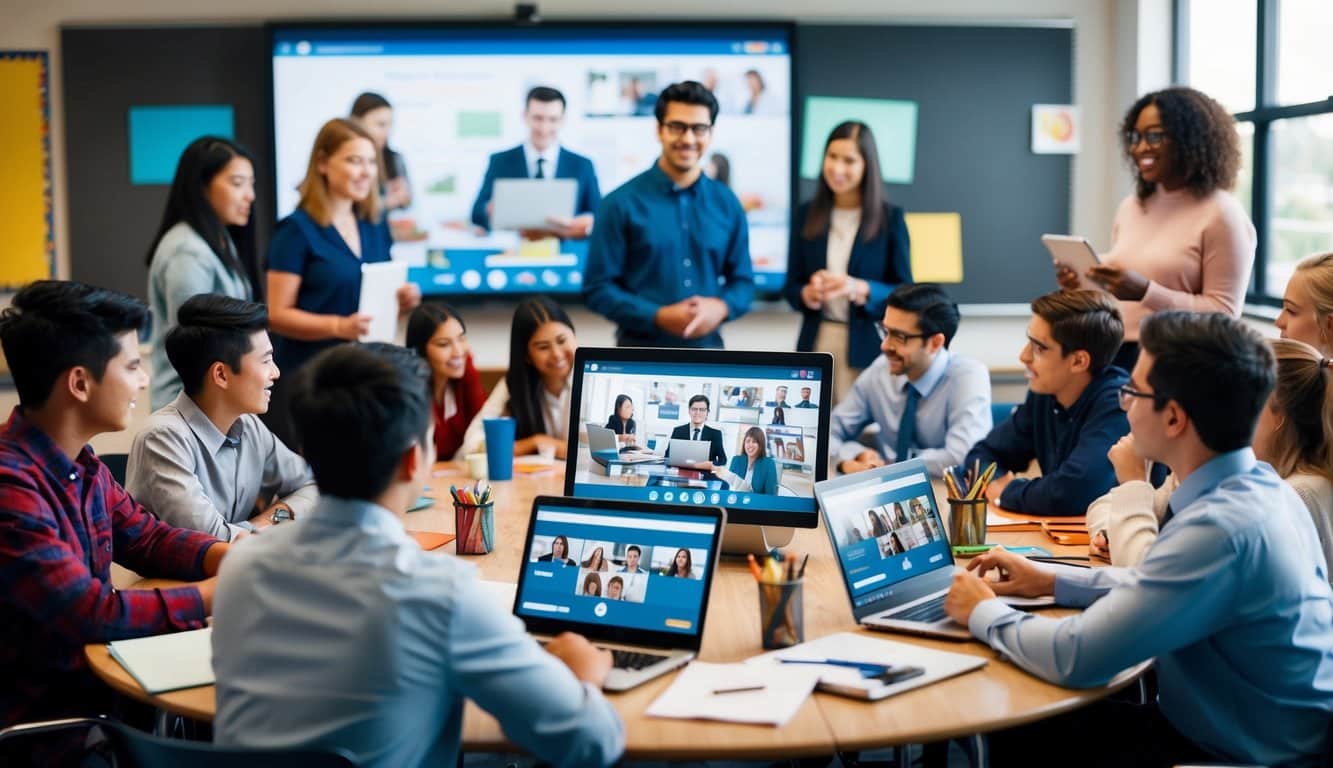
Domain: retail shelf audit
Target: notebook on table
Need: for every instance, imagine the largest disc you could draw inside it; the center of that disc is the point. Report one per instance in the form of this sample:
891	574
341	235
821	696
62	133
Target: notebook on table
163	663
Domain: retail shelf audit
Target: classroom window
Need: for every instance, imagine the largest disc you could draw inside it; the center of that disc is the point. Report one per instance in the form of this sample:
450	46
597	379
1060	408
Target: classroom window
1221	51
1303	72
1302	219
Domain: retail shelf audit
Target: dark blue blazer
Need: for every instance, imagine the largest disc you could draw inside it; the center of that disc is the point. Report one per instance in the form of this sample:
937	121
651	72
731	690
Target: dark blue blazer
884	262
512	164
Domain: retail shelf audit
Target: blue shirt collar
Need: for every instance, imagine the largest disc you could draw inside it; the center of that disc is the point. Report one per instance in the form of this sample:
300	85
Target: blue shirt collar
930	379
1210	475
667	184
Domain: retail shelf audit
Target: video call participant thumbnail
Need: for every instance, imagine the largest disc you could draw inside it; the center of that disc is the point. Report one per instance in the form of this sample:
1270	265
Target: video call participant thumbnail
696	429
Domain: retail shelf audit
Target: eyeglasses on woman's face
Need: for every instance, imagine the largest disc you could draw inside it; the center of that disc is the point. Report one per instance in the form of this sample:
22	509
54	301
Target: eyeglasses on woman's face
1154	138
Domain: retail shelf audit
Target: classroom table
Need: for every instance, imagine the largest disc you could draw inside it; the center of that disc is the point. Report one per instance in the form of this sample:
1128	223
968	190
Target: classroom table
997	696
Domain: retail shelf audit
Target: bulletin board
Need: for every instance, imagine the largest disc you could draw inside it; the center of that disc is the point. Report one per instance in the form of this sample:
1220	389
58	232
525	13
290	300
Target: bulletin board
25	197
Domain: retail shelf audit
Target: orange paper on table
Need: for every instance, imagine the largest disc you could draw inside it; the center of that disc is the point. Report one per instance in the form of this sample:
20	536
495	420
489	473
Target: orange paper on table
431	540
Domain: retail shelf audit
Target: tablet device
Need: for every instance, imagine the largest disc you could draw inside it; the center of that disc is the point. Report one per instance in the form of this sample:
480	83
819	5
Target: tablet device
1076	253
529	203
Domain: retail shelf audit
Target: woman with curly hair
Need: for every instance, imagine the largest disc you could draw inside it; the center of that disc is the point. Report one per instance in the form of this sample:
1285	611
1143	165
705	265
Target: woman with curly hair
1181	240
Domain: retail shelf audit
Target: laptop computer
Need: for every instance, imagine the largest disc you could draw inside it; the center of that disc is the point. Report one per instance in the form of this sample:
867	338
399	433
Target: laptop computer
687	453
528	203
632	577
604	448
892	547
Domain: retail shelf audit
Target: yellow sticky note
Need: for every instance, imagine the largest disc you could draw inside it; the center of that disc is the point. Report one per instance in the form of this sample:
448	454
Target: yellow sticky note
937	247
545	248
25	196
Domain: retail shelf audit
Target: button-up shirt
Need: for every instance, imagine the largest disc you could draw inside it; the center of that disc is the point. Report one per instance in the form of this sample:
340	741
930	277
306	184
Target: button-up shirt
656	244
1232	600
1069	445
337	630
550	155
62	523
191	474
951	416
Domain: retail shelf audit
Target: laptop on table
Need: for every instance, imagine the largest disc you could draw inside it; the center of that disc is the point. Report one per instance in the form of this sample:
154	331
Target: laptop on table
650	619
605	450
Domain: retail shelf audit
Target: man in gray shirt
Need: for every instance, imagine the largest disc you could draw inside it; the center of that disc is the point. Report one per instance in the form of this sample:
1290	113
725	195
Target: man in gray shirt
205	461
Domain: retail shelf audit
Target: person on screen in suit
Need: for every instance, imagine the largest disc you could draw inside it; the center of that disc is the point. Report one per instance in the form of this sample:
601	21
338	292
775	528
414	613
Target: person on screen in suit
315	259
779	397
375	114
806	392
1235	573
542	157
682	565
928	402
756	470
621	421
390	686
436	332
849	251
615	588
632	555
559	552
696	429
592	585
669	260
205	244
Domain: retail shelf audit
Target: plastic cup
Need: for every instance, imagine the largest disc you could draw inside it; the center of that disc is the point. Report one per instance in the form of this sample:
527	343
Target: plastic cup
499	448
476	466
474	524
967	522
781	614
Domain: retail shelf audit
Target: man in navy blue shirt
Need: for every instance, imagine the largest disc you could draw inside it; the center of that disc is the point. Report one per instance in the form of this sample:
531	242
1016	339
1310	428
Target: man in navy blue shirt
669	260
542	157
1072	414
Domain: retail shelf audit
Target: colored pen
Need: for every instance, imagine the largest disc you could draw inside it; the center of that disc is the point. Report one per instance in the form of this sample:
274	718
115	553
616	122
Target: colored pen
739	689
754	568
801	573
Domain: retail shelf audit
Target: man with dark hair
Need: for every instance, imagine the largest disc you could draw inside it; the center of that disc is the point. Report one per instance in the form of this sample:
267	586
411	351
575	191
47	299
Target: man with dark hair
669	261
632	556
928	402
1072	414
1232	598
697	429
805	399
542	157
205	461
73	350
416	634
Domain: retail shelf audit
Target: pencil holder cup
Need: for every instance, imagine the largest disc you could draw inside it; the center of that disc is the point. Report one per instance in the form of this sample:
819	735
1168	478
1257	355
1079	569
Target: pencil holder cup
474	525
781	614
967	522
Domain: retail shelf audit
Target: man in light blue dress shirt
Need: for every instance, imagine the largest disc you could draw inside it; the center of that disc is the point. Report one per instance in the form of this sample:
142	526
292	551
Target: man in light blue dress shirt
1232	598
338	631
946	396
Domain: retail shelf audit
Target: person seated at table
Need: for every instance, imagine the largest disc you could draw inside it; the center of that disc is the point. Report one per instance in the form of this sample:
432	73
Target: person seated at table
929	403
1294	435
621	421
682	565
632	556
615	588
754	470
559	552
73	352
535	390
1072	413
416	634
596	561
696	429
1232	599
437	332
205	461
592	585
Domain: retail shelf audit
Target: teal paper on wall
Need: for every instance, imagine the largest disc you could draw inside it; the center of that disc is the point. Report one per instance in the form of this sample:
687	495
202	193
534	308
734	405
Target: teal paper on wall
159	134
893	122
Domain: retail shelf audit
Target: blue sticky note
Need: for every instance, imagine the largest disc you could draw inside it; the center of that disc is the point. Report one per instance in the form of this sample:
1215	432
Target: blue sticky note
159	134
892	121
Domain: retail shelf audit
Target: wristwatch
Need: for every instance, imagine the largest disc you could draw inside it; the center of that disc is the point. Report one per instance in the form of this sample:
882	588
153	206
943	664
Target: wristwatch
281	514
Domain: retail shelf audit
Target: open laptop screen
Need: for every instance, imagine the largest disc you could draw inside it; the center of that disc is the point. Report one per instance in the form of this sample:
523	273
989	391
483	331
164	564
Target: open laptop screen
885	527
621	569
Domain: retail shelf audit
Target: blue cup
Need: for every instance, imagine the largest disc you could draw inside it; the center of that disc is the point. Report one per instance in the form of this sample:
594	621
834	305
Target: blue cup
499	448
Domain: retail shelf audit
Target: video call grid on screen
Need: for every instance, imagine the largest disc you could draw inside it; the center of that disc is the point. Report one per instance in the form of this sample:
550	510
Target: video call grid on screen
742	396
458	94
886	530
639	582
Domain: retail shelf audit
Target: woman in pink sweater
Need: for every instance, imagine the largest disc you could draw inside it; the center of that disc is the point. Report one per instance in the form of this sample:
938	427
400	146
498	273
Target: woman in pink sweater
1181	241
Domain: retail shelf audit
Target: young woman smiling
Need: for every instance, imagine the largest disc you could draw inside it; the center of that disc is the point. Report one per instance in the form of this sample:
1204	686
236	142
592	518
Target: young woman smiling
437	333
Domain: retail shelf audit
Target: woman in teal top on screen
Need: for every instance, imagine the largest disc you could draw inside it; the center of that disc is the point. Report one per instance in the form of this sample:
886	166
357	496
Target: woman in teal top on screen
206	244
757	472
315	257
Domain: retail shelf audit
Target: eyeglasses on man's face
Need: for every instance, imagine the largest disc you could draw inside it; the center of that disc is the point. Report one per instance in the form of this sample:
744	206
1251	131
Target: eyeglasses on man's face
898	337
1153	137
1128	394
676	129
698	409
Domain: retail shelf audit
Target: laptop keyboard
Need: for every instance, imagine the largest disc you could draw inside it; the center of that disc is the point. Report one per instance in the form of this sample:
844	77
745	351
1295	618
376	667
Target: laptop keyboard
632	660
928	612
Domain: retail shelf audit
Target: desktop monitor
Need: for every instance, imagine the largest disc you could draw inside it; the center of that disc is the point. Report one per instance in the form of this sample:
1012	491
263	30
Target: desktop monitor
734	401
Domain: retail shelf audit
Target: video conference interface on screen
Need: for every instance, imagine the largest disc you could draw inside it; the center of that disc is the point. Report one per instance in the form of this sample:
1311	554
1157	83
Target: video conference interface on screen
886	530
739	436
458	96
603	567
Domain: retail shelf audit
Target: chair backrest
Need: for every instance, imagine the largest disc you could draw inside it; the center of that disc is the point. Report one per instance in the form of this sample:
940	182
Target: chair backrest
118	463
1001	411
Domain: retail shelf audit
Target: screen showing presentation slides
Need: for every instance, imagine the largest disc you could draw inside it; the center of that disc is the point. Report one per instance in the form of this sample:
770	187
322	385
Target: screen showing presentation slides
457	96
644	571
886	530
739	436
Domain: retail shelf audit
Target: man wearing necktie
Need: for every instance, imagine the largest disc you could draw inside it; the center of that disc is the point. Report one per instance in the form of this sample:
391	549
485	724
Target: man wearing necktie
697	429
542	157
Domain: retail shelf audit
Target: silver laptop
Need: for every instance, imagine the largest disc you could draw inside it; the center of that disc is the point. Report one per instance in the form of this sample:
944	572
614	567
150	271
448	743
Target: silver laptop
893	550
687	453
529	203
604	448
607	570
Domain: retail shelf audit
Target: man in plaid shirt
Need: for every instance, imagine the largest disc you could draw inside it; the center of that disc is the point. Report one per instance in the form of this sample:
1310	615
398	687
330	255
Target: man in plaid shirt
74	354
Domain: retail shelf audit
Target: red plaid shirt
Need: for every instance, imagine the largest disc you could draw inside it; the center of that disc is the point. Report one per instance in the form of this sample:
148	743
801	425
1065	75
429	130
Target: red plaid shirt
61	525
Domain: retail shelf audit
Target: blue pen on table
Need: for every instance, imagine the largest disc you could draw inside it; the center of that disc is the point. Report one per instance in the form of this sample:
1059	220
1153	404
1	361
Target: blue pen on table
866	668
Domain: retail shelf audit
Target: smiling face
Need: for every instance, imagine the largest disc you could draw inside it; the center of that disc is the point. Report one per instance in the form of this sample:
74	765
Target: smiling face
683	153
350	171
844	167
614	588
626	411
551	352
1298	319
111	401
632	559
447	350
682	561
1152	163
544	119
698	413
1047	370
751	447
911	357
231	192
250	389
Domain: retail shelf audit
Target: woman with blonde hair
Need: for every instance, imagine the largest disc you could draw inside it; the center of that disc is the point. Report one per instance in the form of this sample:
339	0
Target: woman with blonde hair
1307	304
315	256
1294	434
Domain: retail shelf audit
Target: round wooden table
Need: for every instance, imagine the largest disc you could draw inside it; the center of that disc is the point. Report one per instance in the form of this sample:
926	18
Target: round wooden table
996	696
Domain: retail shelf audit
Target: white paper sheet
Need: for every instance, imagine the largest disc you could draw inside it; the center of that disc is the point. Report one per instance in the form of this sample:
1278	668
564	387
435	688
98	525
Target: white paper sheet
693	694
379	297
168	662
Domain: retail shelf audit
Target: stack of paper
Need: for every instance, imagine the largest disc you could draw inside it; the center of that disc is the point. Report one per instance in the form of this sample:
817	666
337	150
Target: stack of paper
736	693
168	662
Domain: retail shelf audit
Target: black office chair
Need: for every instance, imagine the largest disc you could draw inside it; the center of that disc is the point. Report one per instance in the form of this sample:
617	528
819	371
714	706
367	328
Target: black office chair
118	463
137	749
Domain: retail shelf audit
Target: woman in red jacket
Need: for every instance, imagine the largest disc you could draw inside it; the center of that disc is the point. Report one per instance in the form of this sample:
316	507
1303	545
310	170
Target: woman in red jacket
437	333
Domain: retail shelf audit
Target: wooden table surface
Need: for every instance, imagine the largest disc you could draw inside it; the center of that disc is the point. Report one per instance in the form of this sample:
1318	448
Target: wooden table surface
996	696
